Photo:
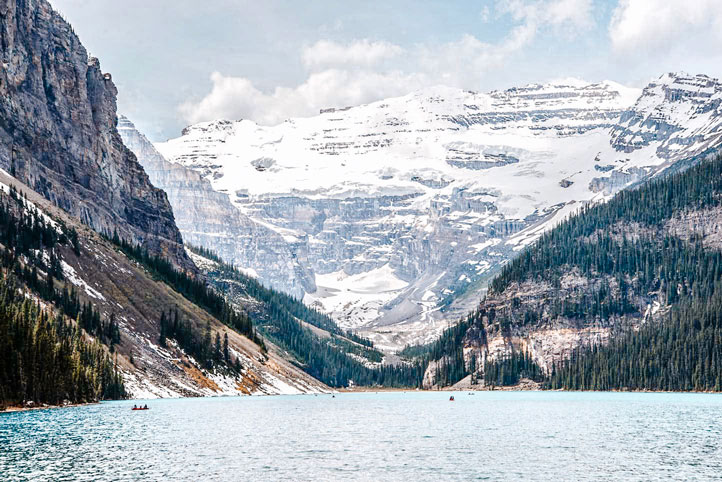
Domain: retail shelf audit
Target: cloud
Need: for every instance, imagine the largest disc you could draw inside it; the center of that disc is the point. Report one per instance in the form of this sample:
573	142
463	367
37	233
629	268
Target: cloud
362	71
364	53
643	26
237	98
573	15
465	62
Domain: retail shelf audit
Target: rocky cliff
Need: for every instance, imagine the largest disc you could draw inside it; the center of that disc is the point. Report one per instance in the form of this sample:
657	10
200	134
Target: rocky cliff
403	209
58	132
207	218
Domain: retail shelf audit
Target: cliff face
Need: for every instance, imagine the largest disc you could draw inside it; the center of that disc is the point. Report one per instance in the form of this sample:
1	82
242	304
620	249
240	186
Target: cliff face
58	132
208	218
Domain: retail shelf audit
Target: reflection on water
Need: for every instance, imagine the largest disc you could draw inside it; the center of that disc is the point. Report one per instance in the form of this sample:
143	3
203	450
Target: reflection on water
369	436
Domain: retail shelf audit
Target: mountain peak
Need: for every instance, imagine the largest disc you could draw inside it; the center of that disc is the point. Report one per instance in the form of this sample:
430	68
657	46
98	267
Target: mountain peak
685	80
78	119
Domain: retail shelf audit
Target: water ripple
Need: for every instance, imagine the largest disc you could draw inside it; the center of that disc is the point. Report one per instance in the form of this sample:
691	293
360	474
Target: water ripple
389	436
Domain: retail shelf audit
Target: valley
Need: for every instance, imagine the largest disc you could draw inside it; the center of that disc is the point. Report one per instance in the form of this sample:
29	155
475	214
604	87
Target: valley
360	240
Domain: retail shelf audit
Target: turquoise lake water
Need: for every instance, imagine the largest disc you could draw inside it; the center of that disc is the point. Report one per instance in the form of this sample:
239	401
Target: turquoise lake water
369	436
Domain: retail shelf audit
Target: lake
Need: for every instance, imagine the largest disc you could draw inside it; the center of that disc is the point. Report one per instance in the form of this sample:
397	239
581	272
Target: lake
369	436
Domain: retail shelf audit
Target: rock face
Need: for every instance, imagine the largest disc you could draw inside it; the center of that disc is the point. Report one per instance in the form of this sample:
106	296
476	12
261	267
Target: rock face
402	209
678	115
207	218
548	338
58	132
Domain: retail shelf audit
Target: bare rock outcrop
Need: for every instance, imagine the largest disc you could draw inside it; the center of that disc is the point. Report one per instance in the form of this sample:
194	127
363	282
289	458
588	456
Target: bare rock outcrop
58	132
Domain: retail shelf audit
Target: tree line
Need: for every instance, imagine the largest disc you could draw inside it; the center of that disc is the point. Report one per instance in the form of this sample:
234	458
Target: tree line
201	347
47	359
197	291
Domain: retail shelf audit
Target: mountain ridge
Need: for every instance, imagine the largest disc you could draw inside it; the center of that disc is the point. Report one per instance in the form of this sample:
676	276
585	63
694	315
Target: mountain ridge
399	211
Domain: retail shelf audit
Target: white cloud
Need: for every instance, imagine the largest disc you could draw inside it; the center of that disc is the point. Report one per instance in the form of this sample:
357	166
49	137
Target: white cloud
465	62
641	26
485	14
237	98
365	53
342	74
570	14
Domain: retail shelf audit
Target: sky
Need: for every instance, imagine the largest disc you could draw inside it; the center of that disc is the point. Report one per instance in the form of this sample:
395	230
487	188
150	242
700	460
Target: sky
179	62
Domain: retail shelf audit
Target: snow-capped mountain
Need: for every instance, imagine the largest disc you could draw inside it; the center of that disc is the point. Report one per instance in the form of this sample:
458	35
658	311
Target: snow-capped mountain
397	212
208	218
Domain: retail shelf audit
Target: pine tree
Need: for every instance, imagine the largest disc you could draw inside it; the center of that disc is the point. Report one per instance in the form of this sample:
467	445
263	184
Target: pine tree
226	355
217	353
163	330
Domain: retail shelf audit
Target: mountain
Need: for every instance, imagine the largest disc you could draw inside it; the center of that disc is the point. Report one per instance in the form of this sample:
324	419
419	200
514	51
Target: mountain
310	339
58	132
393	216
622	295
100	298
118	300
208	218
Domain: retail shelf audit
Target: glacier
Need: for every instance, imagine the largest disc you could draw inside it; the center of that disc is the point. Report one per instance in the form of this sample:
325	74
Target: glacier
393	216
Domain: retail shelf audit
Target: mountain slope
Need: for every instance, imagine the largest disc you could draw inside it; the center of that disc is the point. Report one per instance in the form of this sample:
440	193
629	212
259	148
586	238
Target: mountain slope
130	296
44	356
622	295
312	340
131	302
400	211
58	132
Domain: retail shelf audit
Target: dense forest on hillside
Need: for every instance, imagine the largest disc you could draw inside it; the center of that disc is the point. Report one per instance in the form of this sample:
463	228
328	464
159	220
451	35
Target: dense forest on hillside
587	240
630	251
195	290
338	360
44	356
683	352
201	347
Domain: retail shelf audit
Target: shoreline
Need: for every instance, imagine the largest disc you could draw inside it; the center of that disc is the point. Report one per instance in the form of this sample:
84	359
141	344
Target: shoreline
514	388
21	408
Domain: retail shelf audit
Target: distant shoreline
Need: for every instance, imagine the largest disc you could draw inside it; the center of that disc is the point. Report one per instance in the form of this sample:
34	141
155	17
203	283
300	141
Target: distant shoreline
21	408
515	388
18	408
